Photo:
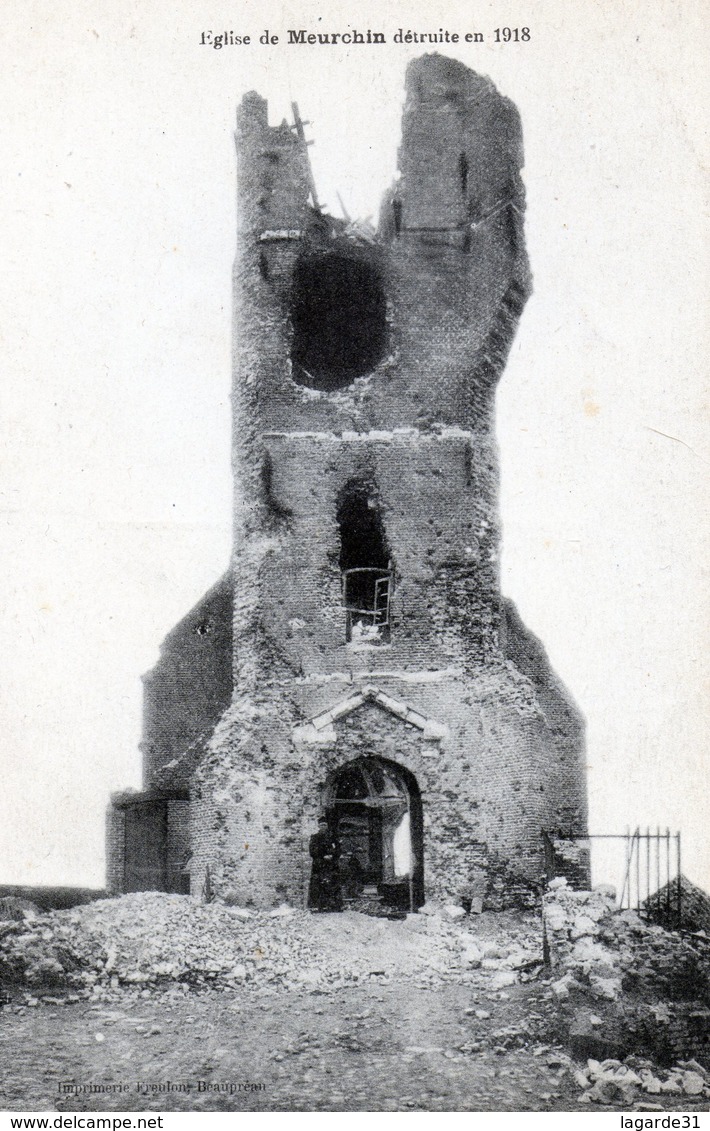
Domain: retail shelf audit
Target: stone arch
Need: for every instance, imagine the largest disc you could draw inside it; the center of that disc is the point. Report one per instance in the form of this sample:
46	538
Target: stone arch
374	811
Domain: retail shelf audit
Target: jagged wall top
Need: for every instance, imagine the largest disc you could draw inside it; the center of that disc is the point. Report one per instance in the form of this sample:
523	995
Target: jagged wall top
452	111
449	264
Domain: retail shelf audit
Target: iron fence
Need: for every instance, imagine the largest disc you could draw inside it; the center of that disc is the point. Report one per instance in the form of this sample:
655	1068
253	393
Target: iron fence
652	879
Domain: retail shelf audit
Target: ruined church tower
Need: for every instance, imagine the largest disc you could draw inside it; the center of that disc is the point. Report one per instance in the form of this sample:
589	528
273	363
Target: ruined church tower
360	662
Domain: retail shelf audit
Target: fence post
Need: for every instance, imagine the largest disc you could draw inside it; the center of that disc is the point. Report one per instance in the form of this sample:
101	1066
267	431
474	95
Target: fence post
679	889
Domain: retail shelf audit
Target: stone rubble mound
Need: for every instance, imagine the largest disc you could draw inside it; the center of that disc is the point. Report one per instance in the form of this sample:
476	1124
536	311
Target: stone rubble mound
14	907
572	927
613	1082
623	984
150	939
608	952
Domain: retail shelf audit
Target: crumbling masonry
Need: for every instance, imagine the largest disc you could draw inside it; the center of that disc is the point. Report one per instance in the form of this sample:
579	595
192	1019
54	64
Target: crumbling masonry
358	660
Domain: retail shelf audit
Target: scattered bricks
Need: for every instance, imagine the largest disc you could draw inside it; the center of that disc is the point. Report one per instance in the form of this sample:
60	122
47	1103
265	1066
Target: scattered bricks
692	1083
471	956
555	918
582	925
454	911
693	1066
492	950
608	1091
609	989
672	1086
648	988
628	1080
613	1081
148	943
650	1083
562	986
503	978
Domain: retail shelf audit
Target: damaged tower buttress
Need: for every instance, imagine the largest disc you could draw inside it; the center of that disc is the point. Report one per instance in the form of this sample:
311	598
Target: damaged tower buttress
358	661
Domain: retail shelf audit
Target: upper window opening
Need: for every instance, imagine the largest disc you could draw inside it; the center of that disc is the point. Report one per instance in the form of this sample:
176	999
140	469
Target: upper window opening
338	312
366	567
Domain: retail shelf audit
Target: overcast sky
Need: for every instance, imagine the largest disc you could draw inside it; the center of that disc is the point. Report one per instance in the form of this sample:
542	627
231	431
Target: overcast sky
118	201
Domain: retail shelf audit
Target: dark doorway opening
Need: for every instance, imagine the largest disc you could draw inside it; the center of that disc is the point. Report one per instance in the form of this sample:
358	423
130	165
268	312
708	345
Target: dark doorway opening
365	564
155	838
339	318
375	813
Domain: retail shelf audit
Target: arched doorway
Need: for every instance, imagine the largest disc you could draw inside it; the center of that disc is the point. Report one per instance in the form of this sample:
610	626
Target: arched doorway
375	813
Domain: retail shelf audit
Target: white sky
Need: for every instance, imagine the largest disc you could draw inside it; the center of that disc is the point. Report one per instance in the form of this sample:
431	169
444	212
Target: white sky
119	219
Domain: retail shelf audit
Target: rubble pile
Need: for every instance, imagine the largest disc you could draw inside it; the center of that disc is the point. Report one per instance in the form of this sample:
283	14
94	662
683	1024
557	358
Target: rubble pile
572	926
624	984
150	939
635	1079
656	962
14	907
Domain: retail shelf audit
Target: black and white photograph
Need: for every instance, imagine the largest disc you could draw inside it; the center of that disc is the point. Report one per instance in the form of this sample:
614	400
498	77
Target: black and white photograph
354	542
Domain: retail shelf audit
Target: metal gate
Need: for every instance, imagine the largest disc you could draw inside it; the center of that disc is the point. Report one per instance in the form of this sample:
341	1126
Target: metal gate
650	873
652	883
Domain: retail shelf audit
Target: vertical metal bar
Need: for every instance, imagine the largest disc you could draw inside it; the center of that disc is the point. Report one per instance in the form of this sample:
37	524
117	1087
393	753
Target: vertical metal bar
668	874
638	867
679	889
658	864
648	870
626	871
411	854
124	883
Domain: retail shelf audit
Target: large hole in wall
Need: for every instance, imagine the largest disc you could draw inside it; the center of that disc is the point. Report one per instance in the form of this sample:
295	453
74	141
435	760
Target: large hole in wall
338	313
365	564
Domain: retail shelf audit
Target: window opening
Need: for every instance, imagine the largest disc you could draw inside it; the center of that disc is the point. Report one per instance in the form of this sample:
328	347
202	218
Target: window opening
366	567
366	597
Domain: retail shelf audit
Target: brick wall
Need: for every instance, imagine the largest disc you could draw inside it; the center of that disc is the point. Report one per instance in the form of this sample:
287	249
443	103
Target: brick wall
188	689
177	849
115	850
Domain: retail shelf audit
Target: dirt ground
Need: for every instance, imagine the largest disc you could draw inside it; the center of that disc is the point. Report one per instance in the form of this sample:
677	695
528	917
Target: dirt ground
373	1047
151	1002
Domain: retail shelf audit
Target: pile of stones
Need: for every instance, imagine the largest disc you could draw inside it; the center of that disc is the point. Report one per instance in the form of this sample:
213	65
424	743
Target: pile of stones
623	984
572	923
613	1082
150	940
